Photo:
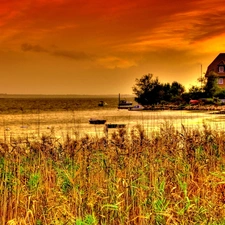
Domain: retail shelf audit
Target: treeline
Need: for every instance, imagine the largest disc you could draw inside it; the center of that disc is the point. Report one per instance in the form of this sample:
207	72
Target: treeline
150	91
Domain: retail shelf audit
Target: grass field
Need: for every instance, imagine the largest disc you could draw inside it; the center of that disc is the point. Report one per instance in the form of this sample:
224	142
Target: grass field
169	177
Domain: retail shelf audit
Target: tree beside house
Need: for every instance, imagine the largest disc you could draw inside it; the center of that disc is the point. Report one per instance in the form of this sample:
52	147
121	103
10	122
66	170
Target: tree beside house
149	91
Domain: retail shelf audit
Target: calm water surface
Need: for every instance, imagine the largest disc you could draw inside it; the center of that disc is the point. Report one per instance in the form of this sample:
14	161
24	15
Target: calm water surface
34	117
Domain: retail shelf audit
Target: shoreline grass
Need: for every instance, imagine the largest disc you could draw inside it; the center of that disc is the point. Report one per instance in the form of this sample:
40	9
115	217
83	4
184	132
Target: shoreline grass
168	177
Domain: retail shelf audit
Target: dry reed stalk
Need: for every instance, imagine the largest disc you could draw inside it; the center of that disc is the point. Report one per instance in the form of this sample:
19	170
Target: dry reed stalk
166	178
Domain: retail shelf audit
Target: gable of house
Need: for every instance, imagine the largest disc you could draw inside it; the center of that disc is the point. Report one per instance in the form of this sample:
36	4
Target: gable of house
218	67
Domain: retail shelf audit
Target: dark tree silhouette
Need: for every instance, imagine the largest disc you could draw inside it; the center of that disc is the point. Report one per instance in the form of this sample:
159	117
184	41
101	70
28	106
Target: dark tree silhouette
150	91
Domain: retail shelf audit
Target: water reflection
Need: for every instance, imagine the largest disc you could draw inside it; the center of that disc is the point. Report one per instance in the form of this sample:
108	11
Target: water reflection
75	123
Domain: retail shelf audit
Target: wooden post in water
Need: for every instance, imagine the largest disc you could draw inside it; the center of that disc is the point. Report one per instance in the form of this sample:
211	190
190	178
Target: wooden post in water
119	100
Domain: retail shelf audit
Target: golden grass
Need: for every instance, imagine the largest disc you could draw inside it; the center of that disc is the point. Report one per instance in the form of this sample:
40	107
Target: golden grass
170	177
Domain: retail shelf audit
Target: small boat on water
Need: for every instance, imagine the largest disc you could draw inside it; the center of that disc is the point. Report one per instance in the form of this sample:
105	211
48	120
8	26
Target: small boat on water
97	121
115	125
102	103
124	104
136	108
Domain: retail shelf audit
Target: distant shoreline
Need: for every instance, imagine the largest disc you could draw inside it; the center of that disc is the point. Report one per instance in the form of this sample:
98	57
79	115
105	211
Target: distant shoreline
62	96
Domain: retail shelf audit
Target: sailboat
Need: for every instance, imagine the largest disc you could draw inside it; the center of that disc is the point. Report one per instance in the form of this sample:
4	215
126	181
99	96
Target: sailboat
124	104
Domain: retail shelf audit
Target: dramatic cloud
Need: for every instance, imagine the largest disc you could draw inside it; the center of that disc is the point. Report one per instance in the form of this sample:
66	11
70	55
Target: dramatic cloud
106	42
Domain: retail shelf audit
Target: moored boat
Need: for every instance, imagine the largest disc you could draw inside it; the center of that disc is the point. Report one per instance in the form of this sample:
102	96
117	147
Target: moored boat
97	121
102	103
115	125
136	108
124	104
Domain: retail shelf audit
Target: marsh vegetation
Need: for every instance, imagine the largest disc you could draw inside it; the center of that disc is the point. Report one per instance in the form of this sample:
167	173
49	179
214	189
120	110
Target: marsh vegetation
169	177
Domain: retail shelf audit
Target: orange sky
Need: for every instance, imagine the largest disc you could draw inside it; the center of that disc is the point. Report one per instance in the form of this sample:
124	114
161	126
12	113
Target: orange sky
101	47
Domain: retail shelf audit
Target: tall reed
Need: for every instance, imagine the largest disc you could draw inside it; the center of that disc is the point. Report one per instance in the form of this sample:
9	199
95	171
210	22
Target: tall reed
168	177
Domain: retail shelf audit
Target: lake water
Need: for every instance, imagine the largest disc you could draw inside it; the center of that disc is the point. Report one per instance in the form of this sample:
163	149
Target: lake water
33	117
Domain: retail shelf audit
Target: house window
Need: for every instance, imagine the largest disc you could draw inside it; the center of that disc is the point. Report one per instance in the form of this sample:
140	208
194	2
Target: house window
221	69
220	81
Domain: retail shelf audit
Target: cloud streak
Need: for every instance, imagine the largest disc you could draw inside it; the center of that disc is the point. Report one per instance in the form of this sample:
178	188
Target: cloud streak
59	53
32	48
